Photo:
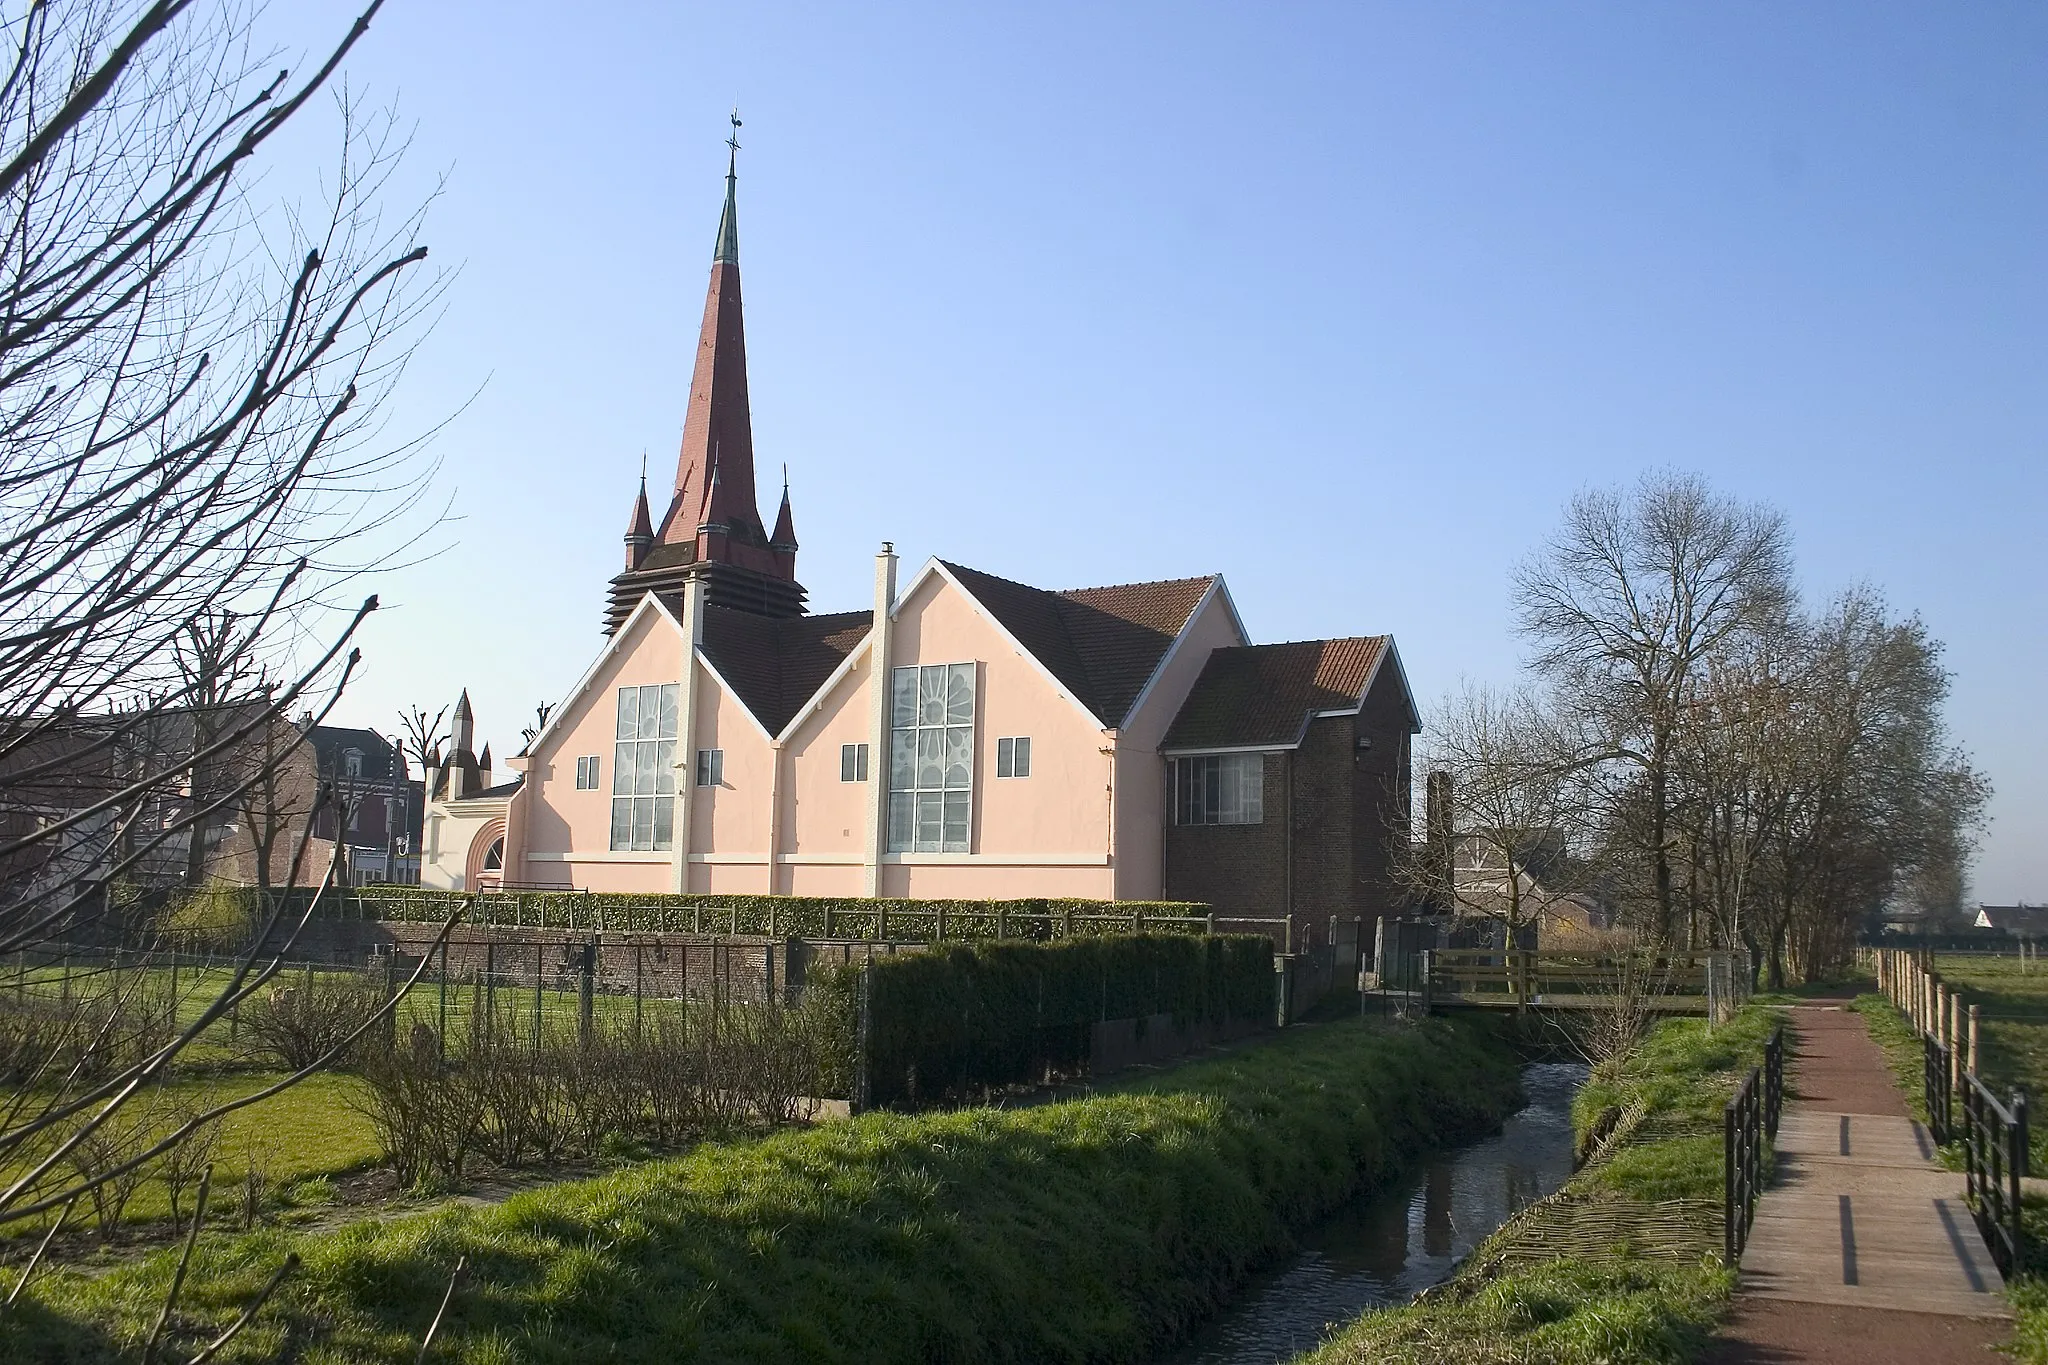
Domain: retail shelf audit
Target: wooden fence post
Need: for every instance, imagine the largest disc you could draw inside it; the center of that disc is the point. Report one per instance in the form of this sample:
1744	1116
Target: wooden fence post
1955	1043
1973	1040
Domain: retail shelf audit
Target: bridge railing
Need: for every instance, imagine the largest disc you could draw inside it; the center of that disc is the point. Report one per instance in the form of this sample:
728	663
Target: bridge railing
1994	1139
1686	982
1748	1123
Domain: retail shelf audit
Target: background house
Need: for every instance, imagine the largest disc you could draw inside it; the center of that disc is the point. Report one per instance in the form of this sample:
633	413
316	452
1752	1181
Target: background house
378	806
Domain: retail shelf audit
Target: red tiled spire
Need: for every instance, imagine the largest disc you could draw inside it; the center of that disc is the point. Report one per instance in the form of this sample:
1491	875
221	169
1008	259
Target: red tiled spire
719	420
712	529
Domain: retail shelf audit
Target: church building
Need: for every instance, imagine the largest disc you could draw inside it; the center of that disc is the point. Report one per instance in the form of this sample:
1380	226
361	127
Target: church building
961	735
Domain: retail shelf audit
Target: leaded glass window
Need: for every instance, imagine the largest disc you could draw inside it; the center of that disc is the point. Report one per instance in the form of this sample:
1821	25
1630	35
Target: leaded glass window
643	768
1220	789
931	759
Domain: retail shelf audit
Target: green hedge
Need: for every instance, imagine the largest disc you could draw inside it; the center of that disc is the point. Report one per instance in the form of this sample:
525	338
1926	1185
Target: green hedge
951	1021
777	916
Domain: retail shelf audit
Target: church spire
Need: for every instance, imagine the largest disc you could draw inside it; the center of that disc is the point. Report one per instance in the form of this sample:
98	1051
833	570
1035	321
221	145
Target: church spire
718	418
712	529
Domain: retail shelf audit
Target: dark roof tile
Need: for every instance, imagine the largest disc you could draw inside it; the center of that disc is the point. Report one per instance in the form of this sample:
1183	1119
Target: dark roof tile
1265	694
1103	644
778	664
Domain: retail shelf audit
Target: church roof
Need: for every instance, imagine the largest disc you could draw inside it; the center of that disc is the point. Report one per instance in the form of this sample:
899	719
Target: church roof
1266	694
1103	644
777	664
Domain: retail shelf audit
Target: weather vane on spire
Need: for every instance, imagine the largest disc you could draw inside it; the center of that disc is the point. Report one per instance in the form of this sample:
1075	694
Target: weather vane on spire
733	139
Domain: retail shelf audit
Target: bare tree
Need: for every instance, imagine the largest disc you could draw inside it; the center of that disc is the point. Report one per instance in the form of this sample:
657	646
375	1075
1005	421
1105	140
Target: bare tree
192	471
1624	607
1504	811
424	734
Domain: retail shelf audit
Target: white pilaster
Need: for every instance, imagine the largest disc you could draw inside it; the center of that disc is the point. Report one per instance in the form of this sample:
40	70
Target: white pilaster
881	658
686	733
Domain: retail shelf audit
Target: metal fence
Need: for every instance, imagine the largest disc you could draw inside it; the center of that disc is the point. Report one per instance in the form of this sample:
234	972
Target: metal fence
1749	1122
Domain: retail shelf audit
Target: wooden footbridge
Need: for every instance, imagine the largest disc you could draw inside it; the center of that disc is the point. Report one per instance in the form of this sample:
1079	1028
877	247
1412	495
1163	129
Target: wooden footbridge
1709	983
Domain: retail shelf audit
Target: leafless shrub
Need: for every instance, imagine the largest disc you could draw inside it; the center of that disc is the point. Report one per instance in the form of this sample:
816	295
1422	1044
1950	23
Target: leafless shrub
294	1025
254	1185
103	1160
428	1116
672	1080
527	1112
768	1055
1612	1028
181	1167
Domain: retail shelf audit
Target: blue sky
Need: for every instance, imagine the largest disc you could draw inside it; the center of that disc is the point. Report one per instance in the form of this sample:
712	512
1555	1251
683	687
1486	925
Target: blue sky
1342	301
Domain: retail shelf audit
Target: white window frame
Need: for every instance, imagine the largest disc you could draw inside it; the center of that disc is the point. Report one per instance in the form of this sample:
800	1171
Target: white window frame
589	772
853	763
711	767
643	768
933	709
1220	789
1013	756
352	762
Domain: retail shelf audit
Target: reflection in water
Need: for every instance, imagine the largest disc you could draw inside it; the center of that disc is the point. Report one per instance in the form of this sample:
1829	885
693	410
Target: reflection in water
1384	1249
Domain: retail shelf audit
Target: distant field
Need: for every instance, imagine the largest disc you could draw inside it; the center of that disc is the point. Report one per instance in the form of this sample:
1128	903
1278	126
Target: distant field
2012	1001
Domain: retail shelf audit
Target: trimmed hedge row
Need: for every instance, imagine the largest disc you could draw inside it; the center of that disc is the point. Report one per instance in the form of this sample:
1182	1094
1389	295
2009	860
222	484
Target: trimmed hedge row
950	1021
779	916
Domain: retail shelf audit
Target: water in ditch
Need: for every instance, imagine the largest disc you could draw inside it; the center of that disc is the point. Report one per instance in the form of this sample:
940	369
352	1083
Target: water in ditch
1383	1249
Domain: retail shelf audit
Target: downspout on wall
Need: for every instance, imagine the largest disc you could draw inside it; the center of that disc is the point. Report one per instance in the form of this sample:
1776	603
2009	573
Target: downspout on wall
881	657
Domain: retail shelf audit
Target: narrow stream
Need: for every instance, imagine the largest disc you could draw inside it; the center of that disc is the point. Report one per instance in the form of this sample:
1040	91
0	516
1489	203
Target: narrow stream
1383	1249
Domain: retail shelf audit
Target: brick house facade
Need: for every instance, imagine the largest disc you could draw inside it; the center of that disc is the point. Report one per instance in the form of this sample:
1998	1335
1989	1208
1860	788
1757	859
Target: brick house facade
1330	723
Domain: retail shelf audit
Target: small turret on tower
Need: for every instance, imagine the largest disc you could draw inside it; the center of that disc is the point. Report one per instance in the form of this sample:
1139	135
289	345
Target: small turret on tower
639	530
782	540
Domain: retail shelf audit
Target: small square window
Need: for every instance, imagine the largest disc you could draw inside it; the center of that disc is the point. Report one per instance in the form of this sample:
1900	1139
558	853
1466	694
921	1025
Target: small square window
586	773
853	763
1013	757
711	767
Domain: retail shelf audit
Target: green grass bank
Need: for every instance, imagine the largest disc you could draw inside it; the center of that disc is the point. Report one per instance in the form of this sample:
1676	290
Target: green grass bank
1623	1263
1089	1230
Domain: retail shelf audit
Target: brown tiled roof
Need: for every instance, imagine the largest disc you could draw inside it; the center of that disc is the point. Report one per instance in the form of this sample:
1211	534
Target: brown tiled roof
1265	694
1103	644
776	665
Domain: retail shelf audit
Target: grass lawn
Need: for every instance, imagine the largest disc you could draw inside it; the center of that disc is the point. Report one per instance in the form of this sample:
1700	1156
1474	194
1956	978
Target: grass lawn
295	1139
1090	1230
2013	1012
1532	1293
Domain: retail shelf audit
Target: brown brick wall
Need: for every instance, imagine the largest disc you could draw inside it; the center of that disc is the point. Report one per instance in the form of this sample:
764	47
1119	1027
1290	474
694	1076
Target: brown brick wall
1239	868
1382	798
1347	809
1325	884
